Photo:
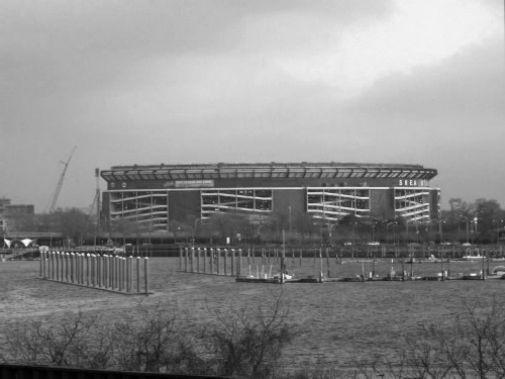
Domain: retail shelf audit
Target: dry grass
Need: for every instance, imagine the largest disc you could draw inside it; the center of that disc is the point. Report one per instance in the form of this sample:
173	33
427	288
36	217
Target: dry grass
339	322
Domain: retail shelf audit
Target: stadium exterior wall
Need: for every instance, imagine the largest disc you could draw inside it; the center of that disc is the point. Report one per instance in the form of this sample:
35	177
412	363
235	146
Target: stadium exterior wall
159	196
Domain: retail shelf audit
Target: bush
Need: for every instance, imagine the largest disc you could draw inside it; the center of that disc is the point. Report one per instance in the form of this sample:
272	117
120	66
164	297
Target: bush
471	345
248	343
244	343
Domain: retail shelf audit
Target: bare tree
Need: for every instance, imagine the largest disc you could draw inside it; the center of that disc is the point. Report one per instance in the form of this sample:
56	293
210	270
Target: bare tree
76	340
470	345
248	343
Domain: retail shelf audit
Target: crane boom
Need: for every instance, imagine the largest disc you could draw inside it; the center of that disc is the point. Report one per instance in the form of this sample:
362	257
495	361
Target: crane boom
57	191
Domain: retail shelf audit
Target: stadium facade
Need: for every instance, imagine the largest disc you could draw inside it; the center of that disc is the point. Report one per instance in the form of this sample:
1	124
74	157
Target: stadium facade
158	195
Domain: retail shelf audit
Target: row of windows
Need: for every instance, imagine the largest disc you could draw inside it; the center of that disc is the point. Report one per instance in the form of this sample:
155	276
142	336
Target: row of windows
247	200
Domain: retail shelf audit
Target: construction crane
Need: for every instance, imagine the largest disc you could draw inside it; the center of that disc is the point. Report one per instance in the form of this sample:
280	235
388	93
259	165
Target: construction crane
57	191
94	208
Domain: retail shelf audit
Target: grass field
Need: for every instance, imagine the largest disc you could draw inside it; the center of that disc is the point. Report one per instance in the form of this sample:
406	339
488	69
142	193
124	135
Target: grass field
338	322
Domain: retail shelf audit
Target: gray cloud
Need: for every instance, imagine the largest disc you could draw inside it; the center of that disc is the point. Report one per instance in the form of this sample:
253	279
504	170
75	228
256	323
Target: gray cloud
157	81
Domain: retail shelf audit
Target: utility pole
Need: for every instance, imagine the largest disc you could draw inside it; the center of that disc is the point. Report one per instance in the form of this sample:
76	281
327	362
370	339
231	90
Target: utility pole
97	197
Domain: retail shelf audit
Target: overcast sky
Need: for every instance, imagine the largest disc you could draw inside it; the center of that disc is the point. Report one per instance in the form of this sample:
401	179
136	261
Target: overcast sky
157	81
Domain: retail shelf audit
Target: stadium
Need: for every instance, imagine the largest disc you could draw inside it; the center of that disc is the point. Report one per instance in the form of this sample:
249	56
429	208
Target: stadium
159	195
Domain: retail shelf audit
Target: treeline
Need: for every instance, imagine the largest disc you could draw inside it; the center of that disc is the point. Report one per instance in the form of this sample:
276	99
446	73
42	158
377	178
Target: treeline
482	222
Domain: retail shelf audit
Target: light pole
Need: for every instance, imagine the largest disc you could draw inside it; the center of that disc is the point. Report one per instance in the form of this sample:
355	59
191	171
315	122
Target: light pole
500	222
441	229
467	223
197	220
474	231
289	220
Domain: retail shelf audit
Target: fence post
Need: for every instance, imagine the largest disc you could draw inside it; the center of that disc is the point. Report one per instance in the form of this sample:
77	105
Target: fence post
146	280
41	255
94	269
56	266
320	265
192	259
198	254
51	265
186	253
86	258
48	263
75	266
60	274
138	272
105	270
239	268
204	260
72	267
328	273
120	264
61	256
99	270
218	253
130	274
65	267
90	272
232	262
81	265
211	261
115	272
225	269
180	258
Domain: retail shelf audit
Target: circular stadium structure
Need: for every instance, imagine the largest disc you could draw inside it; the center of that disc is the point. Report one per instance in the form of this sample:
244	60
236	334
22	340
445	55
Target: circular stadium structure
159	194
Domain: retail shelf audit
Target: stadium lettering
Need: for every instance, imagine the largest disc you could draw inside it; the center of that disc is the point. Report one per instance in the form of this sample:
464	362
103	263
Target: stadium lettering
410	182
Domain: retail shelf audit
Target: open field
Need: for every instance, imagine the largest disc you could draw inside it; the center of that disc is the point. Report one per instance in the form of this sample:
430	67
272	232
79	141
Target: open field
339	322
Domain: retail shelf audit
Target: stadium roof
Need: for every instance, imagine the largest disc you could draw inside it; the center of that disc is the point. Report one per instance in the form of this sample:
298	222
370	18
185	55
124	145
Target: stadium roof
266	170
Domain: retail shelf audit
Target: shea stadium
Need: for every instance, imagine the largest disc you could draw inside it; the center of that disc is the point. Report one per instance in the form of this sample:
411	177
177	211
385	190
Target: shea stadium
159	195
